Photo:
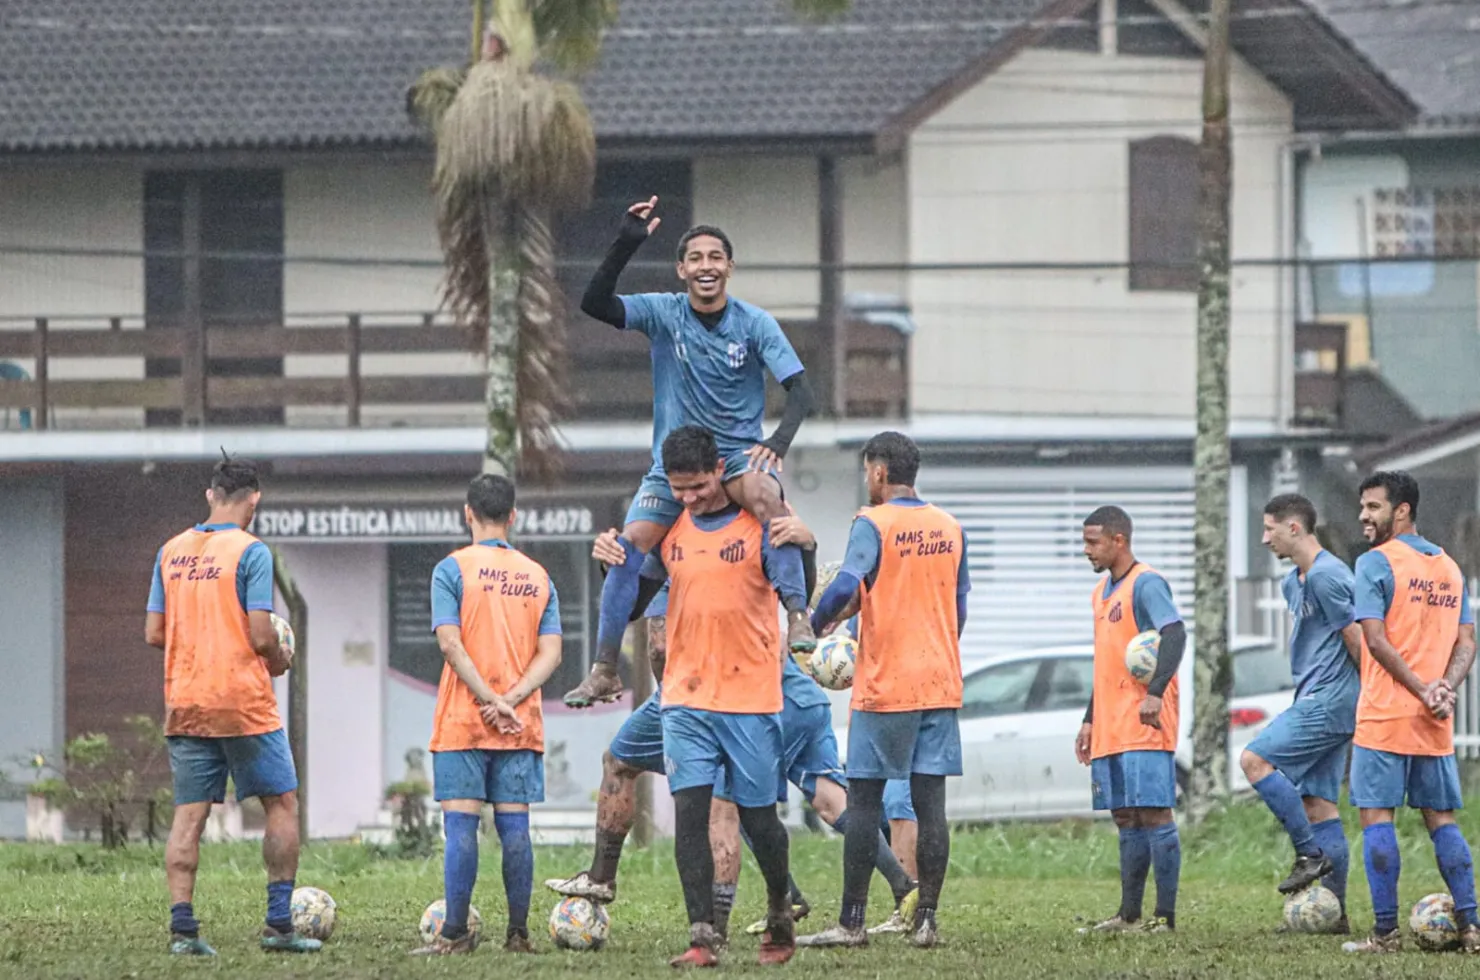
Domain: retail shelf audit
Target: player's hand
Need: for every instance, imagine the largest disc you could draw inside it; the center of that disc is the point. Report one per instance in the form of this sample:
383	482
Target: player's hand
1151	711
1081	744
791	530
499	714
606	550
763	459
641	212
1439	698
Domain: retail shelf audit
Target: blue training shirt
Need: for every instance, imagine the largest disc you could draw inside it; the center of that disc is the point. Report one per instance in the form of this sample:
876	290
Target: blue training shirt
253	575
711	378
1151	601
1321	607
447	595
1375	585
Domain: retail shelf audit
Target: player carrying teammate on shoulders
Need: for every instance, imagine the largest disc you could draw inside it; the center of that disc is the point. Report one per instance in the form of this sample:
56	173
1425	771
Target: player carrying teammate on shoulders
1415	615
710	353
1129	733
210	608
906	565
1297	763
497	620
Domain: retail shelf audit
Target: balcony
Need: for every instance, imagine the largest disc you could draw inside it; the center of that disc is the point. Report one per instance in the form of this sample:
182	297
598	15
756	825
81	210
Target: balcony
354	370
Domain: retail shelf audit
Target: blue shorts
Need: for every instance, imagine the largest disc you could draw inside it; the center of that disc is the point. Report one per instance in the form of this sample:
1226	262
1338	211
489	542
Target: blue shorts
898	803
654	499
490	775
639	742
259	765
895	744
809	750
1134	779
1308	742
1386	780
697	744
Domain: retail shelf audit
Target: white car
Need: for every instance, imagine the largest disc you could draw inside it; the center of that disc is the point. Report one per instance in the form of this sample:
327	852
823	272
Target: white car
1021	712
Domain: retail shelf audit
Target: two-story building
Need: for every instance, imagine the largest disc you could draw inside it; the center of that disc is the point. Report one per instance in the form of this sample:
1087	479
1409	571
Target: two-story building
975	220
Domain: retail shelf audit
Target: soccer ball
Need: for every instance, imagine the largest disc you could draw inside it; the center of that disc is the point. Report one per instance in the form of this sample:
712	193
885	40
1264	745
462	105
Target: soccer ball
833	661
436	914
285	636
577	923
1140	655
1433	924
1313	909
314	912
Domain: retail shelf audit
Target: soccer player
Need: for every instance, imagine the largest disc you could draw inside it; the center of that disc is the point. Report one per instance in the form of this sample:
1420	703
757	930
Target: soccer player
906	564
904	834
722	689
497	619
710	352
1129	733
209	609
1297	763
1415	615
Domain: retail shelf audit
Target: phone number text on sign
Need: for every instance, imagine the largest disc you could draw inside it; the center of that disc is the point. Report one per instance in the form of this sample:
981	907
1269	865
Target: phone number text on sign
553	520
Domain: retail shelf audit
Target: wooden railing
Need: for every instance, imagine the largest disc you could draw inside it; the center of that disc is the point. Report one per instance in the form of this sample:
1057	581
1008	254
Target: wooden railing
220	369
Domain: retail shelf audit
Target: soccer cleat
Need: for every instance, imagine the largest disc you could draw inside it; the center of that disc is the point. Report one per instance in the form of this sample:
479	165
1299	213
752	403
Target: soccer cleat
1153	926
276	941
1306	872
442	946
1113	924
925	936
799	635
1469	939
835	936
600	686
799	911
779	943
895	923
518	942
909	904
1378	942
695	956
582	886
189	946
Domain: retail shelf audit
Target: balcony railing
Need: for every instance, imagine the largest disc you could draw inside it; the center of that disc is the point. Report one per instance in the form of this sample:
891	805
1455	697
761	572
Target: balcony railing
351	370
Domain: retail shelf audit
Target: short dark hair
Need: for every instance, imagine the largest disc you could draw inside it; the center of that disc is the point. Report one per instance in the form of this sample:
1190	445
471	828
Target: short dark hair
898	453
491	498
1400	486
1288	506
1113	519
233	477
690	449
700	231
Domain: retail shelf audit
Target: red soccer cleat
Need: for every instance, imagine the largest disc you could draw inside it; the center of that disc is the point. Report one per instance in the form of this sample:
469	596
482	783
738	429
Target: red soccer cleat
695	956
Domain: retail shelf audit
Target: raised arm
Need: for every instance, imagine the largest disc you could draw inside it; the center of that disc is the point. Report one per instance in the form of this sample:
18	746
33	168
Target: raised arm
600	300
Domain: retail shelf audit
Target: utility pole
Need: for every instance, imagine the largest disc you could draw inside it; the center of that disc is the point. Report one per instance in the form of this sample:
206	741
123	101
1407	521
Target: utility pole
1212	673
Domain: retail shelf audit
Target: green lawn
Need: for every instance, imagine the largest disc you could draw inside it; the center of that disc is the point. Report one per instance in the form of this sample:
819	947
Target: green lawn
1013	900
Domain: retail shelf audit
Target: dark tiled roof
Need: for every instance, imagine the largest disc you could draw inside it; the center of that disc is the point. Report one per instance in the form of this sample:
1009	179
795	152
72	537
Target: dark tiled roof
1431	48
186	74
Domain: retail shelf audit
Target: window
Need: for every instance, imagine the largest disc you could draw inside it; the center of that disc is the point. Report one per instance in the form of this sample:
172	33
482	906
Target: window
1163	214
1002	689
1069	683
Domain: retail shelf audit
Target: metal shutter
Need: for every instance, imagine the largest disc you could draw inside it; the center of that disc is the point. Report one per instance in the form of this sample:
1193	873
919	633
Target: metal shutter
1030	581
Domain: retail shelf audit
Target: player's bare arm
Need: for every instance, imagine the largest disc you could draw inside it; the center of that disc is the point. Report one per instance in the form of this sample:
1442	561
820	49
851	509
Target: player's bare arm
265	642
1461	659
1352	637
154	629
546	659
449	638
1375	632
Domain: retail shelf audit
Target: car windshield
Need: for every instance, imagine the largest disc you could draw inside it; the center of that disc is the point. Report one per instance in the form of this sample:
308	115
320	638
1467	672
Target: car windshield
1261	670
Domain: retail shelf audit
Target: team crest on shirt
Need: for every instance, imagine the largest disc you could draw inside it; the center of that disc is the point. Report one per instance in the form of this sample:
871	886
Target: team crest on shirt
733	552
735	355
1116	613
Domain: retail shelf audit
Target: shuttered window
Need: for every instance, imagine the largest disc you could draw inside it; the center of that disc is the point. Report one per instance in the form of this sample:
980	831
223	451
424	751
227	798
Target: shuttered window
1163	214
1031	584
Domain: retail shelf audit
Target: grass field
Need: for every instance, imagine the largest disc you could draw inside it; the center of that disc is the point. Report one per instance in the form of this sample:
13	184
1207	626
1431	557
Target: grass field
1013	901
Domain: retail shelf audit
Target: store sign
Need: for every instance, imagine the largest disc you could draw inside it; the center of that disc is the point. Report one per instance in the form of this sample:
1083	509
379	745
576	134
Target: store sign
423	521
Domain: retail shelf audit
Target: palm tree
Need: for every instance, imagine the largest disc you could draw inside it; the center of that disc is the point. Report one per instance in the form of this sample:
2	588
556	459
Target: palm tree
516	149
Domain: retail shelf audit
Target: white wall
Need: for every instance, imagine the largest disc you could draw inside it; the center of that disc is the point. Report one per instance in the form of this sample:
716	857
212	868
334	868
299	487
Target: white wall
345	588
1031	165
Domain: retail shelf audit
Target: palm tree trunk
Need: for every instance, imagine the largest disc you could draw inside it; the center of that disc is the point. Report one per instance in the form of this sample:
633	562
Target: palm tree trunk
544	395
1213	673
500	396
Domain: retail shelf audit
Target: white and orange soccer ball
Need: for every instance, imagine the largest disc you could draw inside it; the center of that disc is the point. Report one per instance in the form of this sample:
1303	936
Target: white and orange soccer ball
1433	923
285	636
1140	656
833	662
579	924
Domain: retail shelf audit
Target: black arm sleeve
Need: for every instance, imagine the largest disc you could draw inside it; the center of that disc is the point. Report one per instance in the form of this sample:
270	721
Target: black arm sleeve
647	588
1089	709
600	299
1168	658
809	571
799	404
